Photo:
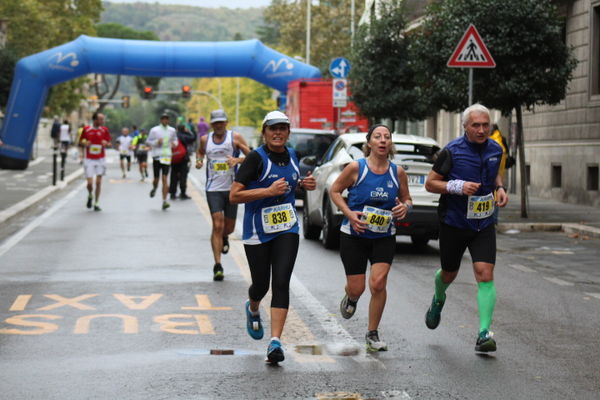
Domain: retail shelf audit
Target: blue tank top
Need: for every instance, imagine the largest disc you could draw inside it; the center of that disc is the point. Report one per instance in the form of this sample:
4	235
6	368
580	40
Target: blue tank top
267	218
374	194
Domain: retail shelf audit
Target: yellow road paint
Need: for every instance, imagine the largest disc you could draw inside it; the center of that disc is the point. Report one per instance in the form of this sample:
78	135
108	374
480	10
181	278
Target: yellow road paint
339	396
296	331
23	320
128	301
65	301
130	324
203	323
204	304
20	302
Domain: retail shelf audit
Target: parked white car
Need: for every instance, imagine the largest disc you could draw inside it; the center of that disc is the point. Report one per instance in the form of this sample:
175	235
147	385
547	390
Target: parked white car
415	154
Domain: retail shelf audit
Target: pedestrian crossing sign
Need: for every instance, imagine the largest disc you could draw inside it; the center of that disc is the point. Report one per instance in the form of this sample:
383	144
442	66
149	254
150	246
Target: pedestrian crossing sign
471	52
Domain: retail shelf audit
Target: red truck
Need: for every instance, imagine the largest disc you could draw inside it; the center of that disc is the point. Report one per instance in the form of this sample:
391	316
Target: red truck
310	105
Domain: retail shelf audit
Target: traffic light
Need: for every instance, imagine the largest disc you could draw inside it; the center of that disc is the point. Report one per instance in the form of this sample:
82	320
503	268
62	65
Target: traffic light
148	92
125	103
186	91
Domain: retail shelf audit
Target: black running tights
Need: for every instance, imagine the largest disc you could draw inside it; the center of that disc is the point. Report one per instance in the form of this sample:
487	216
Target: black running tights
277	255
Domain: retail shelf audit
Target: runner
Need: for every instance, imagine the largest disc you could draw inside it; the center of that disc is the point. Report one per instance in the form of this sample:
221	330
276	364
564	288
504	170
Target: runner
221	148
141	152
95	139
125	147
266	182
466	174
162	138
377	195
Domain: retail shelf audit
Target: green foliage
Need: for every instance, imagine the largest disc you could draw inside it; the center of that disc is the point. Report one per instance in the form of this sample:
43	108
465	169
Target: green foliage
185	23
285	29
118	31
37	25
534	65
382	76
8	59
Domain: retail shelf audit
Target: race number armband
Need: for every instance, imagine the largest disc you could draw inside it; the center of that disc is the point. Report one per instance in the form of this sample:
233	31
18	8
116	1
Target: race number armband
455	186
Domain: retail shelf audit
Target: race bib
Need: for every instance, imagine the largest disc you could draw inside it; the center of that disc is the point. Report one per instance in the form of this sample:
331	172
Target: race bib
124	152
165	160
377	220
480	207
95	149
219	166
278	218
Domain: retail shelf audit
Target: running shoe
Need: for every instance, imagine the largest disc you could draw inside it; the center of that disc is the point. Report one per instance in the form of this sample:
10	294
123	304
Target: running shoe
89	202
374	343
218	274
184	196
253	324
225	248
347	307
275	352
165	205
485	342
152	192
97	208
434	313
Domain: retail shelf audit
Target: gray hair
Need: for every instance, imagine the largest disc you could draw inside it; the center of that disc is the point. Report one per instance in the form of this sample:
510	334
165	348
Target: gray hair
474	108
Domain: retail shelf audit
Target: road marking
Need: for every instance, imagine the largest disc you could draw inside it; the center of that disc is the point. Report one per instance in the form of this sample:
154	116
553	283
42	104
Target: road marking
37	161
17	237
521	268
596	295
559	282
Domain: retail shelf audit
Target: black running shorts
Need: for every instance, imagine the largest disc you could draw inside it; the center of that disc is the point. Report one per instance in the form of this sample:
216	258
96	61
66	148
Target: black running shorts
356	251
158	168
454	241
219	202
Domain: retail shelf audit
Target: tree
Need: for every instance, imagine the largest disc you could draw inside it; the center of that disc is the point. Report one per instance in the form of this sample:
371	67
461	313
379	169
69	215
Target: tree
285	29
105	87
382	76
533	63
8	59
54	22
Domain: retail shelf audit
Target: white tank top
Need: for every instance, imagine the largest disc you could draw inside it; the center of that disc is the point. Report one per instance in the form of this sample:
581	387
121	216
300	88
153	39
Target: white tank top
219	176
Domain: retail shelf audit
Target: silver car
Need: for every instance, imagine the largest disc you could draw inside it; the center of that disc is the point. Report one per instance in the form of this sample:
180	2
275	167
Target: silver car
415	154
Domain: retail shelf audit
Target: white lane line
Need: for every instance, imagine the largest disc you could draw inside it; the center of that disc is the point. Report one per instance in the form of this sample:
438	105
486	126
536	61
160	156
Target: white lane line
596	295
17	237
559	282
37	161
521	268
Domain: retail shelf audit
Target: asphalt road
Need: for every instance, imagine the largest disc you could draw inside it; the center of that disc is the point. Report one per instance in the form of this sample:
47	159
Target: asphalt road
121	304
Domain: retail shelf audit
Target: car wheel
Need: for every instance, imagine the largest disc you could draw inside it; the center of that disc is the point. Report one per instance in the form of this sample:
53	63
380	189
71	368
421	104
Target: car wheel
331	233
311	232
419	240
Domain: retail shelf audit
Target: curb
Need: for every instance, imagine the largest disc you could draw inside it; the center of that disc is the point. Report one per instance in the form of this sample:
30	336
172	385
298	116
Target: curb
571	228
23	205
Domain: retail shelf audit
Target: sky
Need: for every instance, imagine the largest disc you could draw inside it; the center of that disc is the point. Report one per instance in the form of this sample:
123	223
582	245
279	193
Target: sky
204	3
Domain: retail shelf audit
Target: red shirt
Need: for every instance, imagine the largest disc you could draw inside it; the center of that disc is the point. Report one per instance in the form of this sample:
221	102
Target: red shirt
95	136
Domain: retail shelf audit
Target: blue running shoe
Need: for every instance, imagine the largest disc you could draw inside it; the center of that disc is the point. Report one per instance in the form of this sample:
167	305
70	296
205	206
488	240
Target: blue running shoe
253	324
275	352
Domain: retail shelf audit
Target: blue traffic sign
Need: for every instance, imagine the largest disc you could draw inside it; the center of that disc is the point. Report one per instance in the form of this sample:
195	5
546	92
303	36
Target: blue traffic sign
339	67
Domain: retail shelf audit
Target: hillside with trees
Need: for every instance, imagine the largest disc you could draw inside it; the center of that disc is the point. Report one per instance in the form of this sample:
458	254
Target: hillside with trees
185	23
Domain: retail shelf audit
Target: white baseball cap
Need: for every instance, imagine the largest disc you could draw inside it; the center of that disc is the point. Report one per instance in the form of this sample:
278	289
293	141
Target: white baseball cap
218	116
276	117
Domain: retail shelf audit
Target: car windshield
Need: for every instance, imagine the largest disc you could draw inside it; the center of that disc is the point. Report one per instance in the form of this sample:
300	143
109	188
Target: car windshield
404	152
307	144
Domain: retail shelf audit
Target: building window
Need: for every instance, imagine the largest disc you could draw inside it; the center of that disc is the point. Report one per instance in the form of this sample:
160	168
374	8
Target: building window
592	177
528	174
556	176
595	51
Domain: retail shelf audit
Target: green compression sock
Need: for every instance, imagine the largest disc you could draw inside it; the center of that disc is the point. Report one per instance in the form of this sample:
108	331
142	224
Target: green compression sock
486	299
440	286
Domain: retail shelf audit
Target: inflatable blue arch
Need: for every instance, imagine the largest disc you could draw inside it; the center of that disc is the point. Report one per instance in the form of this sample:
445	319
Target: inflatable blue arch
35	74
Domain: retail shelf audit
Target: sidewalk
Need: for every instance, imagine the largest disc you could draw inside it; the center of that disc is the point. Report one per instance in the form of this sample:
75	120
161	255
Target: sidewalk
550	215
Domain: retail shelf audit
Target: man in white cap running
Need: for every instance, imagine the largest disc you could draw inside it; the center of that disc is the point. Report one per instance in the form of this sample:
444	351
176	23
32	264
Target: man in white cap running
221	148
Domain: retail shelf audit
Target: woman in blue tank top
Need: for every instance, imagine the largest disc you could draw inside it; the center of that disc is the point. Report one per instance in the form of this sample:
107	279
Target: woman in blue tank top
377	196
266	182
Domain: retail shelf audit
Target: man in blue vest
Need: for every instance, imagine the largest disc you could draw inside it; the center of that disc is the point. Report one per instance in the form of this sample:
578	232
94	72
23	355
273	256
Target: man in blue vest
466	174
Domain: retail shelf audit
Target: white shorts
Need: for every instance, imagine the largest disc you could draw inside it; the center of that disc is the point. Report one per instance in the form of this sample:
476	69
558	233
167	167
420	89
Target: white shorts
94	167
